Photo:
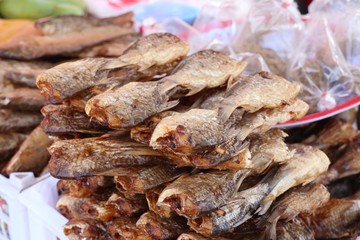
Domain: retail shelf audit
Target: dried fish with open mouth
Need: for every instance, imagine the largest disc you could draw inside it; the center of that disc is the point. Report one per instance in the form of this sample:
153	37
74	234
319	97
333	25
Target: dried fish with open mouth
148	177
152	197
152	55
86	228
131	104
125	228
59	119
97	156
22	99
306	164
18	121
262	90
194	195
161	228
32	155
9	143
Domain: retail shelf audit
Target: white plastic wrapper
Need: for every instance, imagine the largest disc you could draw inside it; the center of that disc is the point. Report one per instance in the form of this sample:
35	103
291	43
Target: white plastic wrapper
317	63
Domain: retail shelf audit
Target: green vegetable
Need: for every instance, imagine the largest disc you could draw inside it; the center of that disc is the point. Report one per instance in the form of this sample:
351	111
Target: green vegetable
34	9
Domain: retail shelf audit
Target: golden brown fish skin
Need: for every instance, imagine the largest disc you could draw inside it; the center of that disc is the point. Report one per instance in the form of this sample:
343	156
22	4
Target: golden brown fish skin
305	166
338	218
161	228
300	200
149	177
152	197
9	143
128	207
267	149
59	119
23	99
86	187
125	228
97	156
18	121
295	229
86	228
261	90
32	155
194	195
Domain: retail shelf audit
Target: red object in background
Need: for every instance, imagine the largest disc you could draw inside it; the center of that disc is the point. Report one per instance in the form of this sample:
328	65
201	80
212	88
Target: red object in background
121	3
307	2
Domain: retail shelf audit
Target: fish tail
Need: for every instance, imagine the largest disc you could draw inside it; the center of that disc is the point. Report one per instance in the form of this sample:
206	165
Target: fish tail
224	112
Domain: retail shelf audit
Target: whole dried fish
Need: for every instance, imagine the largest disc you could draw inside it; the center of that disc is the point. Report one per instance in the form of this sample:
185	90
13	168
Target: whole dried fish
295	229
9	143
11	120
161	228
262	90
96	156
32	155
86	228
133	103
149	177
59	119
196	194
299	200
125	228
23	99
152	197
128	207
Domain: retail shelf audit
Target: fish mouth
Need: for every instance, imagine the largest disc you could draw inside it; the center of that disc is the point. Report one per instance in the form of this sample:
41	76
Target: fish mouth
182	205
175	141
202	225
99	115
129	183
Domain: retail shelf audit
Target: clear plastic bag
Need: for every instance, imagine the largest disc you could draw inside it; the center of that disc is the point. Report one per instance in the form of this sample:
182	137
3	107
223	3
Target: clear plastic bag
318	65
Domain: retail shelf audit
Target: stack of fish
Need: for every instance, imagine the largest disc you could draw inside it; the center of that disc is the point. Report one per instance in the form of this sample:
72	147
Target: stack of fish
23	145
160	145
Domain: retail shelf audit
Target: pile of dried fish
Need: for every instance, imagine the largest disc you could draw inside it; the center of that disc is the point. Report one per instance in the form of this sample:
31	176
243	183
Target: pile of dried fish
156	144
23	143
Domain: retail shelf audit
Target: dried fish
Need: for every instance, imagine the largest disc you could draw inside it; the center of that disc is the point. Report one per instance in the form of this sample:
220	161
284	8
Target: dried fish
32	155
86	228
149	177
11	120
295	229
161	228
152	197
97	156
262	90
125	228
9	143
23	99
59	119
196	194
131	104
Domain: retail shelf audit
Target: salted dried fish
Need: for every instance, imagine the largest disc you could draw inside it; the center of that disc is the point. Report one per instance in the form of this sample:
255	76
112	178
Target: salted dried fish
23	99
134	102
149	177
86	228
128	207
337	219
152	197
295	229
196	194
96	156
18	121
9	143
304	200
262	90
125	228
59	119
32	155
86	187
161	228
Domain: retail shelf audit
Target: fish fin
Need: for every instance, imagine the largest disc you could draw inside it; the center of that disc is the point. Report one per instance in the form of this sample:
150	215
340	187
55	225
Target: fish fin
265	204
194	91
225	112
231	81
270	231
170	105
244	173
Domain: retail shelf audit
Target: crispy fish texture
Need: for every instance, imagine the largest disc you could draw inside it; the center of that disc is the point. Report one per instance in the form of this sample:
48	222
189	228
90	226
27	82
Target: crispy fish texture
300	200
86	187
262	90
305	166
295	229
149	177
18	121
152	197
125	228
9	143
161	228
131	104
32	155
96	156
338	218
23	99
196	194
59	119
86	228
